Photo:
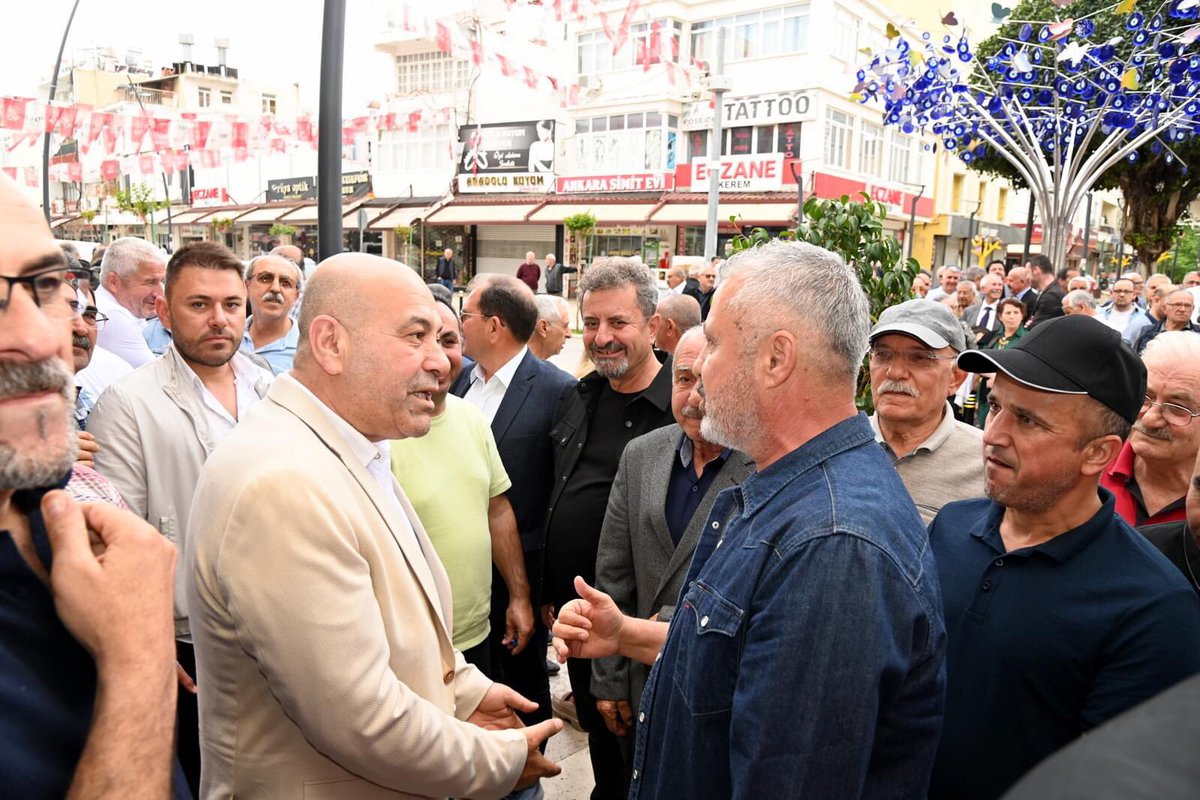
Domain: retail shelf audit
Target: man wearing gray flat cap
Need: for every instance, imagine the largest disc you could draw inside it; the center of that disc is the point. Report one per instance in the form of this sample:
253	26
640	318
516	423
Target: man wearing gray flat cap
912	359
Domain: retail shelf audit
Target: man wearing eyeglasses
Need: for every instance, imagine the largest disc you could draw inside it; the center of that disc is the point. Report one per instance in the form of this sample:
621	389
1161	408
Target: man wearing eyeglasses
1150	476
1177	316
913	348
273	286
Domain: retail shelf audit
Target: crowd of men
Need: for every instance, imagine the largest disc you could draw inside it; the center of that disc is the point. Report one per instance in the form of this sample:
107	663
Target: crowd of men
316	544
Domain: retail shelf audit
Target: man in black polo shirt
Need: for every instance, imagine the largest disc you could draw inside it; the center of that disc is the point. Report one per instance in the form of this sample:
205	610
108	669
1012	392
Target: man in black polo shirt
87	656
1059	615
627	395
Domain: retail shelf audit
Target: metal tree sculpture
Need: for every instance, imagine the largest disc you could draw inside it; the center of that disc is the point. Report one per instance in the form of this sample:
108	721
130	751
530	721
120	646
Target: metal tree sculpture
1061	107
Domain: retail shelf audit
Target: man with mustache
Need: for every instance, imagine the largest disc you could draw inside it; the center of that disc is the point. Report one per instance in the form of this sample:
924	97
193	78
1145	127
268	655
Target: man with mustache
131	284
1059	615
1151	475
666	484
321	610
805	655
627	394
913	348
87	668
157	426
273	286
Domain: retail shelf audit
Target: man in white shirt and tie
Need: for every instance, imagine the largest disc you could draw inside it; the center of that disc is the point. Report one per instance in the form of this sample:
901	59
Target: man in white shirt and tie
983	316
131	282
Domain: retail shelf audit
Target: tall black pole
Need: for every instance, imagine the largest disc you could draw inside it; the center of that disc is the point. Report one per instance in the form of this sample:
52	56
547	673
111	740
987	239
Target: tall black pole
46	137
912	221
1029	231
329	144
1087	235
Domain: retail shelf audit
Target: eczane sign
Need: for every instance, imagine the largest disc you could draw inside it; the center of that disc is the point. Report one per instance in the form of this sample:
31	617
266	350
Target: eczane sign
762	173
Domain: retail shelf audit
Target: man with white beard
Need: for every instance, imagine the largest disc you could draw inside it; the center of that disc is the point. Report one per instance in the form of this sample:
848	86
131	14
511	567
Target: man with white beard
87	685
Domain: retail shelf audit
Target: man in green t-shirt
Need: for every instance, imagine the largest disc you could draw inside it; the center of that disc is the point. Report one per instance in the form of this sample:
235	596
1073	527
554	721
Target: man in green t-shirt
455	480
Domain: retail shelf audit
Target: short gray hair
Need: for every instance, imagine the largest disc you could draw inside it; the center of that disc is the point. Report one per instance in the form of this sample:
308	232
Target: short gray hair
682	308
550	307
617	273
1080	297
807	290
1174	348
969	285
124	256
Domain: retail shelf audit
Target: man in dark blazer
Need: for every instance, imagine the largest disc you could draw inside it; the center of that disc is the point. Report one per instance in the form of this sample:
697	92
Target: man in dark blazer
664	489
1050	297
520	395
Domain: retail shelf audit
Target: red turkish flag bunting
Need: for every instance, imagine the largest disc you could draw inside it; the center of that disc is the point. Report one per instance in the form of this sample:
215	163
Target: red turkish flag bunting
241	134
160	134
110	169
200	133
530	78
414	118
443	38
304	130
476	52
14	113
210	159
75	172
506	67
146	164
139	125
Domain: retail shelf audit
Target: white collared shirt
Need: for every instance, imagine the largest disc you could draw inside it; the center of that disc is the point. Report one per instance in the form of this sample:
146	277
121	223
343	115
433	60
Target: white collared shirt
245	375
991	317
487	395
122	334
376	457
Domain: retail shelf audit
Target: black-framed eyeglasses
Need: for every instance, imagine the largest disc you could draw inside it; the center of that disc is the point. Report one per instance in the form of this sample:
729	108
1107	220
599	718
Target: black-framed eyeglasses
267	278
1174	414
45	287
93	318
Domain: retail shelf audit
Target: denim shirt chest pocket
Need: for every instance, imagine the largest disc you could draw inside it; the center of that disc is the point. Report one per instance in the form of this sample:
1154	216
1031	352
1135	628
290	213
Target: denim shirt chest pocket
709	648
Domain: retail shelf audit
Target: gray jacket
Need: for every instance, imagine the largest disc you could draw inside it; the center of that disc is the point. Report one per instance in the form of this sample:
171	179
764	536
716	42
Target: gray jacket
154	437
637	563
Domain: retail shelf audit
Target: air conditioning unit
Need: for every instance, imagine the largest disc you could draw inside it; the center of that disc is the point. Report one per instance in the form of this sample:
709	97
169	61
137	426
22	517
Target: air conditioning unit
590	82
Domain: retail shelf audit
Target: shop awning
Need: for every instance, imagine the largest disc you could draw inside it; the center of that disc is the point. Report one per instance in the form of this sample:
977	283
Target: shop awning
750	213
194	216
480	213
307	214
117	218
263	215
403	215
606	213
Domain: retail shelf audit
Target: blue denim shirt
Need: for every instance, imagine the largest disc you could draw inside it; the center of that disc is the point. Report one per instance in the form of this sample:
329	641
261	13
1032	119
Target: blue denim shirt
806	655
278	354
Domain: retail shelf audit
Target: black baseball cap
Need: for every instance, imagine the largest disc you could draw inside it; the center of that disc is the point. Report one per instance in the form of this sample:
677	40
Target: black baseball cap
1071	355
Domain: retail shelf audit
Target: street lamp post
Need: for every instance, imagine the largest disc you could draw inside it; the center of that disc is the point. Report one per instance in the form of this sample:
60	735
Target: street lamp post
718	84
46	136
329	143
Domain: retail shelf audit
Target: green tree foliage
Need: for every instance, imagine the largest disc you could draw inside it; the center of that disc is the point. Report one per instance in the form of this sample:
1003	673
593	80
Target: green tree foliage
854	230
1157	188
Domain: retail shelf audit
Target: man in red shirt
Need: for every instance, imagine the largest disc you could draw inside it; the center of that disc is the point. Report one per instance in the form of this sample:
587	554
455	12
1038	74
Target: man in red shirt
529	272
1151	475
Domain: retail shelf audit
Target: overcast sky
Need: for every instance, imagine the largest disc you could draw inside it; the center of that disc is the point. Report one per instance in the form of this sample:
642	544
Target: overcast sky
271	41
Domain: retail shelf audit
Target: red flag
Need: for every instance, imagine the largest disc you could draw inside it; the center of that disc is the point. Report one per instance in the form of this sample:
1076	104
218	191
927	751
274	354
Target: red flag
98	123
506	68
75	172
139	125
573	94
10	172
388	122
200	133
240	134
476	52
110	169
278	146
14	113
146	164
626	21
210	159
530	78
304	130
558	10
240	154
654	47
443	38
169	163
414	118
160	135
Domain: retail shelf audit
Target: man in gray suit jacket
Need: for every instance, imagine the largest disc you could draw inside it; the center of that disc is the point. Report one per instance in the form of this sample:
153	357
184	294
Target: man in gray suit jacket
664	489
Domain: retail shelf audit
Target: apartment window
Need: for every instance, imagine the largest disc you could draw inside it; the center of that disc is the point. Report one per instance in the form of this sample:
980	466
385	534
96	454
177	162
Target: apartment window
595	52
1002	204
900	157
268	104
956	193
739	142
425	149
226	98
633	141
205	98
754	34
845	35
838	129
697	145
870	150
430	73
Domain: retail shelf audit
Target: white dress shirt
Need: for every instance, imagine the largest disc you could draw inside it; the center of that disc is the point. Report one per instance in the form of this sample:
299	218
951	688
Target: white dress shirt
101	372
122	334
245	375
487	395
978	321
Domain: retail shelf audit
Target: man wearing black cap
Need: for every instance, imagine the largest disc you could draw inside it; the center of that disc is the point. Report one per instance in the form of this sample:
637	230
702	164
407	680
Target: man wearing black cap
1059	615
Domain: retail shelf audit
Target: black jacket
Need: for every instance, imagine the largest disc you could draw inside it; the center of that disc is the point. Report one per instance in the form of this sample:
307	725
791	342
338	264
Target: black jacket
554	278
1048	306
445	268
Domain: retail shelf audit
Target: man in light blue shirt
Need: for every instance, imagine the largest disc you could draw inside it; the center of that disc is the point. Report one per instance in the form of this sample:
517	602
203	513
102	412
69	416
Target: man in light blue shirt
273	285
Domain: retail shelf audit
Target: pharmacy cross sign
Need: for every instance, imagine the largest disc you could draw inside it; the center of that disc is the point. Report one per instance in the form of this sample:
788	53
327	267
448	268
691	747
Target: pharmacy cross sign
1062	102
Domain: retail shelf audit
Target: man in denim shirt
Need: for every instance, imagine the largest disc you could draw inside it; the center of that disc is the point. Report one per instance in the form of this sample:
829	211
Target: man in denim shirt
805	657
